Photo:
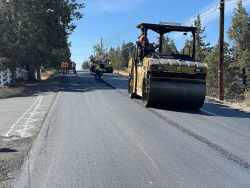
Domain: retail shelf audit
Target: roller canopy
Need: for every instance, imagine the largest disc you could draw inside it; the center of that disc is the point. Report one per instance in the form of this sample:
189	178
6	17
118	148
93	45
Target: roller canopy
162	29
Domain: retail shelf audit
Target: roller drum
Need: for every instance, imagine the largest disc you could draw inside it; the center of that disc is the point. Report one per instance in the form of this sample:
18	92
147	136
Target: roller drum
161	93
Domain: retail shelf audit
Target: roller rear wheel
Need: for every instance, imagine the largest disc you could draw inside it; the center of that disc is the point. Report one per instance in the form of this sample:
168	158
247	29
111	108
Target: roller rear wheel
131	85
145	92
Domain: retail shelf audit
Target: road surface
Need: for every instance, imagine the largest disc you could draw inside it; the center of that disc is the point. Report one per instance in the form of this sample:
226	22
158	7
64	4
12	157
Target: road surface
95	136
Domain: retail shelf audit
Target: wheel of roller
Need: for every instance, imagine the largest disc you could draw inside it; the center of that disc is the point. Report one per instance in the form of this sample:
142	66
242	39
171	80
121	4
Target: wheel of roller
166	94
145	92
130	85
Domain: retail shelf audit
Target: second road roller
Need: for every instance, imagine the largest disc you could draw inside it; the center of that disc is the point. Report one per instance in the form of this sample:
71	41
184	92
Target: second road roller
166	80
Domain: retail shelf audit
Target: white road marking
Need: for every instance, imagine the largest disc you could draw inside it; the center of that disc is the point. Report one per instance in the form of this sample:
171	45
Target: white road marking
29	119
14	138
209	112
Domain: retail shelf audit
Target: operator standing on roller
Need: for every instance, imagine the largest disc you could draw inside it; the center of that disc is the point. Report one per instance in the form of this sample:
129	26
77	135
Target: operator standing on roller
141	38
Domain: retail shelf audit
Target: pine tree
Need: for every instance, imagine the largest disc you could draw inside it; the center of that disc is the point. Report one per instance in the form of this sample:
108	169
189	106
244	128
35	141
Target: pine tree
202	49
36	32
231	83
85	65
124	56
173	47
13	33
165	45
100	50
111	52
239	35
188	48
168	45
117	58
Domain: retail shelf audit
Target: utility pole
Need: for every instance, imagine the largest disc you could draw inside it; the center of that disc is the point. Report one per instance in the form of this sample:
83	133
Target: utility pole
101	46
221	53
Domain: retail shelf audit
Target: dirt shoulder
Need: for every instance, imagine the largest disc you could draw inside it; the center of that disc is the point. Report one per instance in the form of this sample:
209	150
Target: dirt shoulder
241	106
14	149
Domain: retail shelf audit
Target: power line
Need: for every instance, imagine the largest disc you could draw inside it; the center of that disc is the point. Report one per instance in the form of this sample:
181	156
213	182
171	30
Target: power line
83	45
127	17
208	11
188	21
81	54
139	12
127	47
149	1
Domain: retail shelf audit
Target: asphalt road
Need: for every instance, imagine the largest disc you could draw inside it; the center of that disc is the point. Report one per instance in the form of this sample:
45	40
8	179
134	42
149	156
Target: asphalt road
95	136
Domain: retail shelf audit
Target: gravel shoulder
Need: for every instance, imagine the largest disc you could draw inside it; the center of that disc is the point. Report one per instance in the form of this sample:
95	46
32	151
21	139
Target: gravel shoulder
232	105
14	149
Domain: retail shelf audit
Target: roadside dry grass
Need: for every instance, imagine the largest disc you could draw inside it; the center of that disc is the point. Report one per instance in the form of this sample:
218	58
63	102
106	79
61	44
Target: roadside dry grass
10	91
21	86
247	98
48	74
122	72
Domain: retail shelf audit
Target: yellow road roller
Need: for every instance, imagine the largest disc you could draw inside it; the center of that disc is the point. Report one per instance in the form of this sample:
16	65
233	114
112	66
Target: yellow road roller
166	80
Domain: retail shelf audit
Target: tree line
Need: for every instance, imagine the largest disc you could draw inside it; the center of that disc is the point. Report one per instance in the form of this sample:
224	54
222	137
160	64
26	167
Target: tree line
236	54
236	58
35	33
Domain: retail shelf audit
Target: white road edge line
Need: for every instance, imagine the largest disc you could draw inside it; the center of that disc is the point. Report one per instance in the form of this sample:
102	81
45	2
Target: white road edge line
29	120
208	112
39	97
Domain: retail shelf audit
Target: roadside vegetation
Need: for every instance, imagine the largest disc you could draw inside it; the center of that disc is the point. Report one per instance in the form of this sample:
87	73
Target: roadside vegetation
236	56
35	33
85	65
21	86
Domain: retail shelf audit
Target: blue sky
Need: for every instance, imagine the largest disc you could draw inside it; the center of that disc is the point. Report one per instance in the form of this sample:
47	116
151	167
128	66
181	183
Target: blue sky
115	21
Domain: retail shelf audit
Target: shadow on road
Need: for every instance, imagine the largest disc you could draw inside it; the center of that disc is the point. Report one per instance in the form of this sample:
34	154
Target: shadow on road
117	81
210	109
83	81
7	150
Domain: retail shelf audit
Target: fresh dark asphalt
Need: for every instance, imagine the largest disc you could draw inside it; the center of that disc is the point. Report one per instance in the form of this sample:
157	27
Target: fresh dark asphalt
95	136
